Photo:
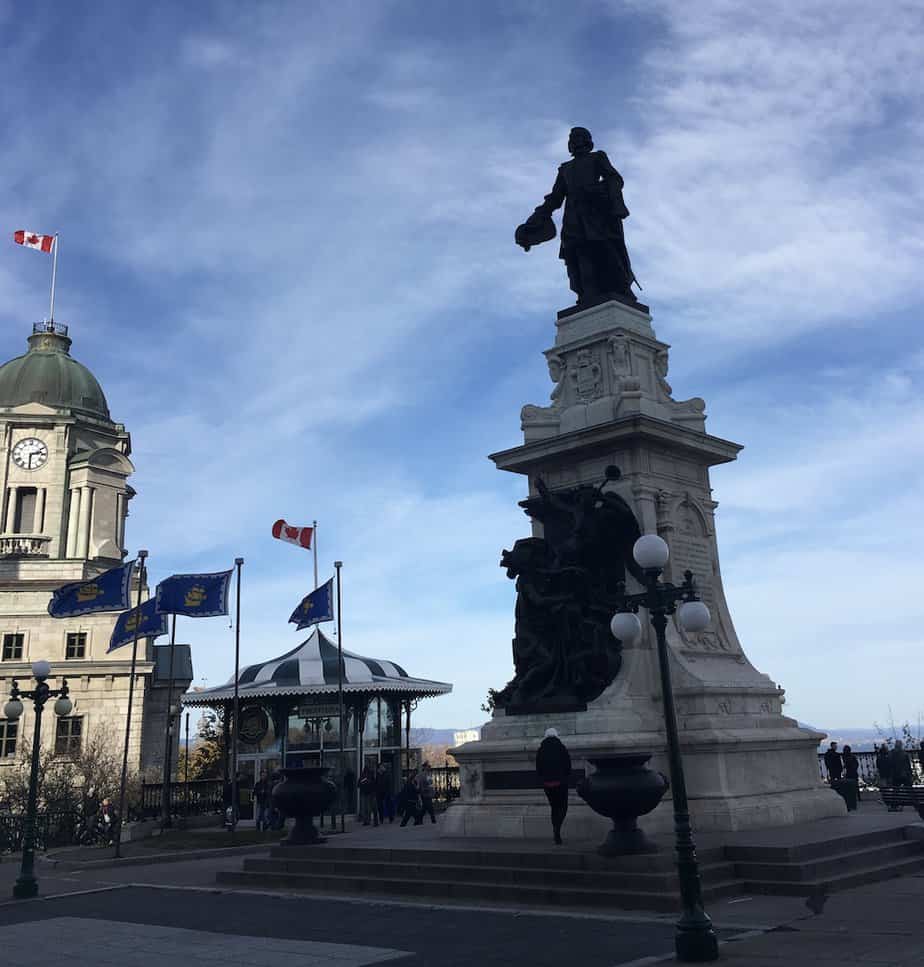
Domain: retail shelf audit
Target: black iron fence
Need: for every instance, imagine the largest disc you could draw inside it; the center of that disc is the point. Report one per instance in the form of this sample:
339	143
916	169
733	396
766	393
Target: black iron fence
52	830
869	774
199	797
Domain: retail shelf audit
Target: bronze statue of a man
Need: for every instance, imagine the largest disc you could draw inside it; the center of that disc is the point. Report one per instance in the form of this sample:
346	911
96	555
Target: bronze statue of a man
593	246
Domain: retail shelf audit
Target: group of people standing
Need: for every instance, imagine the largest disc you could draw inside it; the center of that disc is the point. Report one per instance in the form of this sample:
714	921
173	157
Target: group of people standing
414	801
893	765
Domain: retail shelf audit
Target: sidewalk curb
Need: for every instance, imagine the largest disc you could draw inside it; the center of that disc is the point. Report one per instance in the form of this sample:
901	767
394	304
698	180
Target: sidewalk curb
194	854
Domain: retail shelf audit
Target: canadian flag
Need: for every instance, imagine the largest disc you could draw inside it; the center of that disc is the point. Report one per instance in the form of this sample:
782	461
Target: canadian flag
294	535
31	240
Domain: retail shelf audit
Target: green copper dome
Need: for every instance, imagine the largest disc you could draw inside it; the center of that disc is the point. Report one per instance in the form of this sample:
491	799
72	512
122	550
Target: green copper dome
47	374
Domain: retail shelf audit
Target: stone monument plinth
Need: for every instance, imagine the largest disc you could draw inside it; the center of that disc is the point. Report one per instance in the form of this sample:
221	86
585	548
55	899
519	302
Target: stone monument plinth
747	765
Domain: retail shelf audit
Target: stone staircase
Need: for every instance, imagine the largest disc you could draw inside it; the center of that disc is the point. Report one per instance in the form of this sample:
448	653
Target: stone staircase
578	880
829	865
558	879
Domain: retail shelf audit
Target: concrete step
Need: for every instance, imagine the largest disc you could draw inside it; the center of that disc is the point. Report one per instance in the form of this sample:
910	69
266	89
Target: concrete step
833	884
820	848
513	894
840	863
662	861
648	882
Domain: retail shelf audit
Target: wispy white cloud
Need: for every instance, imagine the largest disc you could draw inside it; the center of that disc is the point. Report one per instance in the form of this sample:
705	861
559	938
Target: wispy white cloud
288	256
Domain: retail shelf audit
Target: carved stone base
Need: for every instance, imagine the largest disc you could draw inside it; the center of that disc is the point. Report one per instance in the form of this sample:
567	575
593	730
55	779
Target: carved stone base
736	780
747	765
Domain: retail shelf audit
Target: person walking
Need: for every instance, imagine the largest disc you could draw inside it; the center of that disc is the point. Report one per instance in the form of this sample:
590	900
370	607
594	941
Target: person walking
409	798
425	791
852	775
261	801
900	761
884	766
833	763
553	765
383	793
366	788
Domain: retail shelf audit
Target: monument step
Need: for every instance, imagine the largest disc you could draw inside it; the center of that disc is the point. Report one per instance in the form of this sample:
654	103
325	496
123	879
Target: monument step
834	864
833	884
469	891
553	858
816	848
648	882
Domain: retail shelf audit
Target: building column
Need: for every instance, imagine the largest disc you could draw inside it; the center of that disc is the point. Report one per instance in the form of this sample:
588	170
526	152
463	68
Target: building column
83	532
70	547
10	520
38	522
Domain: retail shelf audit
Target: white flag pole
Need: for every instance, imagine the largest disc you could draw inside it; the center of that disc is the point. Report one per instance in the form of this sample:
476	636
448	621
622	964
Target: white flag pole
314	544
54	273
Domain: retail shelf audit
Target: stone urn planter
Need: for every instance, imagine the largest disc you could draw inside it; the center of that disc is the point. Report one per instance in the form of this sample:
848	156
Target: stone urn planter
622	789
303	794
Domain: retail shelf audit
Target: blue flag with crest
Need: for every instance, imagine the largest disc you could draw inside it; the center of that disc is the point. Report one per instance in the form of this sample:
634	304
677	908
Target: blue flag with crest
110	591
315	607
145	621
195	595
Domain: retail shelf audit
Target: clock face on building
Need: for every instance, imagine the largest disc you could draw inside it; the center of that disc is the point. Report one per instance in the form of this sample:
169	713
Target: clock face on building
30	454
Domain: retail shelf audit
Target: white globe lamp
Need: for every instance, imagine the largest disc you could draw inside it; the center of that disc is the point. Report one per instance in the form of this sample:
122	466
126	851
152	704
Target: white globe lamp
41	670
693	616
12	709
626	627
651	552
63	706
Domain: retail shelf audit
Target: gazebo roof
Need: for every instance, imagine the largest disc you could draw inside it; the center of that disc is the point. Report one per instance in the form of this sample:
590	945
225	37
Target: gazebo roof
311	669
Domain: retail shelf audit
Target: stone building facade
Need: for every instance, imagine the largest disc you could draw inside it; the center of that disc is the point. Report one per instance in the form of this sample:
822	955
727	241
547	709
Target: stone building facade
64	500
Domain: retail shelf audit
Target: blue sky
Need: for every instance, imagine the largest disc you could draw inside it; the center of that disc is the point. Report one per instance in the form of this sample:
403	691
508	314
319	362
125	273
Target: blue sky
287	254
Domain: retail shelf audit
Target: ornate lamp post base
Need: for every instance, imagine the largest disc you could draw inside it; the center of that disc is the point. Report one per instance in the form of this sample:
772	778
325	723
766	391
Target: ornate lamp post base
25	888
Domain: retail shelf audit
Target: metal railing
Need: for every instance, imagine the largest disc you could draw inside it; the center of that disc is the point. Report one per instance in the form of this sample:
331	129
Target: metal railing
198	797
869	774
52	830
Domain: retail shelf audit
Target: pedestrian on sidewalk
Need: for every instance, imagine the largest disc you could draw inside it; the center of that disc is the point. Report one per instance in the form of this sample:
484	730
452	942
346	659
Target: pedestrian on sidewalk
425	790
553	764
383	800
851	773
261	800
409	799
901	766
884	766
366	787
833	763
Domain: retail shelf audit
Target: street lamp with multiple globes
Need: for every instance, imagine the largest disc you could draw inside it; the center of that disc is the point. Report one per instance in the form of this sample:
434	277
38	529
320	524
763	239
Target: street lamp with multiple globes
26	885
695	939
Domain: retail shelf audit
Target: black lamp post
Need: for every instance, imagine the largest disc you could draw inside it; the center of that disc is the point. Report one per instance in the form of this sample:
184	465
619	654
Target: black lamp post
26	885
695	939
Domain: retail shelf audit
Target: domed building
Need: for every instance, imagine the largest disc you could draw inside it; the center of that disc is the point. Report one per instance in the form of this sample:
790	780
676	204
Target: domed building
64	499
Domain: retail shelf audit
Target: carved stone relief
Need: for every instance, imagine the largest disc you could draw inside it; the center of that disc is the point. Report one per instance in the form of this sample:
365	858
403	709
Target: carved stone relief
586	375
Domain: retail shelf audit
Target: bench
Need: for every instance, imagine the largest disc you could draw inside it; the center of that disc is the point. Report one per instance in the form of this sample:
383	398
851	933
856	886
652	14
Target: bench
897	797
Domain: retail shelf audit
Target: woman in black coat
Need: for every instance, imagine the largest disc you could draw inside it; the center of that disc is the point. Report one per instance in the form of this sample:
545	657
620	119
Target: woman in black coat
553	764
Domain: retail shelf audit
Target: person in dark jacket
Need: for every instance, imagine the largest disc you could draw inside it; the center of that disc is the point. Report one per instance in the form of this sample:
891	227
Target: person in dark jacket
553	764
833	763
852	770
884	765
902	774
409	799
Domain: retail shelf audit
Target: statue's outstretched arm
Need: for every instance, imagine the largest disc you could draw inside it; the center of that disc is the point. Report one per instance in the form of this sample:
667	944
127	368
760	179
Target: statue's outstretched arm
554	199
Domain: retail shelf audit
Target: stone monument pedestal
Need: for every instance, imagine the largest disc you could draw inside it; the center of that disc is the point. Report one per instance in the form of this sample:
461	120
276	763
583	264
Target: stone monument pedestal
747	765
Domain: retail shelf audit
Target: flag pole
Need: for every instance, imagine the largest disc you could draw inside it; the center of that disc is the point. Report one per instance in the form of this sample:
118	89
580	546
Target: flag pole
337	566
238	561
168	747
131	695
54	273
314	542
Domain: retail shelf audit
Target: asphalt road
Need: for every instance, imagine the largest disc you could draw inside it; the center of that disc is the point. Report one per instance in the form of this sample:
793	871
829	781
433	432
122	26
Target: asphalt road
432	936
